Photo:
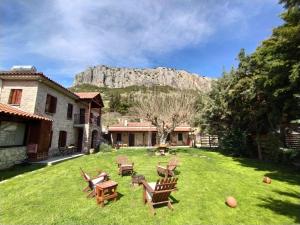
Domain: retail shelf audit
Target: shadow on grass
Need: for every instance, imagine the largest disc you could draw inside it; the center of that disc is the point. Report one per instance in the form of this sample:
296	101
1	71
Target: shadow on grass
275	171
120	196
174	200
18	170
285	208
289	194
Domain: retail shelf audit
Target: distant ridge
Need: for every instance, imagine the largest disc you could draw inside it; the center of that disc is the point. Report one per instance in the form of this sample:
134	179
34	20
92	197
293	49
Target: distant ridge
114	77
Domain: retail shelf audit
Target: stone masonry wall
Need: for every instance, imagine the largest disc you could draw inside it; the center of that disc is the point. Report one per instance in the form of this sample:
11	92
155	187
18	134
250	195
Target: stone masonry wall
29	93
12	155
60	121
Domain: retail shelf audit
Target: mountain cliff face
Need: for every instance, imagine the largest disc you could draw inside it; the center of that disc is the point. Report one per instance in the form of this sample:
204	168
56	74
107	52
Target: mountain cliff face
104	76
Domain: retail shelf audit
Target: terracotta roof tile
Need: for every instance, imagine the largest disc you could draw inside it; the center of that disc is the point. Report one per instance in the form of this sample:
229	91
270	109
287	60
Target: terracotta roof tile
87	95
31	74
7	109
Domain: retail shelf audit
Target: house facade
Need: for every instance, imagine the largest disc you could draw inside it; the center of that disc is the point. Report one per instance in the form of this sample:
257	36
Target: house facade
145	134
75	117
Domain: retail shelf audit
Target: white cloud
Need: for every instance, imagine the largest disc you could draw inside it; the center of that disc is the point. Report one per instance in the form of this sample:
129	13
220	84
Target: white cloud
78	33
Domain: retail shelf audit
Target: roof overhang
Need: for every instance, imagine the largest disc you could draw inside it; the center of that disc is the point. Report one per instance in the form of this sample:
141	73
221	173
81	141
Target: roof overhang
15	112
40	77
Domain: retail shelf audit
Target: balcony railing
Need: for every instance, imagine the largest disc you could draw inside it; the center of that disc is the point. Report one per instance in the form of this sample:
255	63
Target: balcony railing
80	119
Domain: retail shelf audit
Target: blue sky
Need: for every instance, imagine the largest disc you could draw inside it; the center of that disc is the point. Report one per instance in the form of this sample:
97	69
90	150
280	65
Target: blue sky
63	37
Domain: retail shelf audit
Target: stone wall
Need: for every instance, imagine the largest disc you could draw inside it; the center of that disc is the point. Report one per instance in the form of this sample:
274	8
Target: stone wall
29	93
33	100
60	121
10	156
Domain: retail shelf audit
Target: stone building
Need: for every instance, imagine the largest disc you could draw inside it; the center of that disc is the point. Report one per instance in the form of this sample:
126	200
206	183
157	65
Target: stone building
75	117
144	134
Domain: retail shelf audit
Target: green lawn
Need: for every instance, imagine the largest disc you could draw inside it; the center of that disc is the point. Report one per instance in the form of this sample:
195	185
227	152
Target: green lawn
53	195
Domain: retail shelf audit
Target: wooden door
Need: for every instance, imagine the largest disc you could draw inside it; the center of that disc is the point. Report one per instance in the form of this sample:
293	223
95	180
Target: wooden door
131	139
153	139
79	140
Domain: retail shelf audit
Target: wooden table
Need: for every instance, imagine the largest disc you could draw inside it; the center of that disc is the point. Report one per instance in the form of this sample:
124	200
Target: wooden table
126	169
106	191
137	179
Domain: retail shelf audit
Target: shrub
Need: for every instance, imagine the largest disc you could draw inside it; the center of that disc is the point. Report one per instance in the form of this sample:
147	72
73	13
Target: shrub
105	148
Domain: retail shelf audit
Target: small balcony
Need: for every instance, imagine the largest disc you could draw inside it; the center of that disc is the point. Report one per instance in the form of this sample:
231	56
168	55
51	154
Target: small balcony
81	119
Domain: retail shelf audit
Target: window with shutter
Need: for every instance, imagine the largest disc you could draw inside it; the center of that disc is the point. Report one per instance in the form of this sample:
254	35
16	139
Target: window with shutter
62	140
51	103
15	96
70	111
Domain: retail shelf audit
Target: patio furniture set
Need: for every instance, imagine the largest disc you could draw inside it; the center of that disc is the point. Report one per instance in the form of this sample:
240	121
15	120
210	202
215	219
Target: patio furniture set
154	193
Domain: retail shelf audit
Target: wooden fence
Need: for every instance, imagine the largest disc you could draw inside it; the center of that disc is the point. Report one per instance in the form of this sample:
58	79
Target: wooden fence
292	141
209	141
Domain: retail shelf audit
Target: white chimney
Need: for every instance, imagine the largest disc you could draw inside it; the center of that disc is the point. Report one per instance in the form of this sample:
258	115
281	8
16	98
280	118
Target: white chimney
125	123
23	68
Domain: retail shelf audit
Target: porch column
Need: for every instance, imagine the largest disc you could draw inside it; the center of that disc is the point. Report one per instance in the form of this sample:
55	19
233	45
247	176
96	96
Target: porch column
89	113
100	124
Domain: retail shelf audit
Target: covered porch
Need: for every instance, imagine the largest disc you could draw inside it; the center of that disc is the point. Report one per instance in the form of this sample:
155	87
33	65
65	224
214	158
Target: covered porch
22	136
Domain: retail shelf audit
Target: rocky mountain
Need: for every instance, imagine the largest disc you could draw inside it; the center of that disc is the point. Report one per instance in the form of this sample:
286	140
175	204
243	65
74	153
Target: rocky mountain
112	77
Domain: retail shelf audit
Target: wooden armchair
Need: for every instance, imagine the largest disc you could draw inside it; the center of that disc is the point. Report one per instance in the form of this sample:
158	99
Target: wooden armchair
121	159
169	169
124	165
158	193
92	181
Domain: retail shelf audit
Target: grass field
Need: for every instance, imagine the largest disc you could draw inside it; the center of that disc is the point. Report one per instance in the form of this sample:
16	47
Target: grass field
53	195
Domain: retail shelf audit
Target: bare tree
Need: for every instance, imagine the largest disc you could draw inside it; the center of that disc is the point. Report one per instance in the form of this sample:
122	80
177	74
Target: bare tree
165	111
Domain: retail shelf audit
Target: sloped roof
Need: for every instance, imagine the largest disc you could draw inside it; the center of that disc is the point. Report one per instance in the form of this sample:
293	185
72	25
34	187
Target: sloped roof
87	95
13	111
32	75
142	126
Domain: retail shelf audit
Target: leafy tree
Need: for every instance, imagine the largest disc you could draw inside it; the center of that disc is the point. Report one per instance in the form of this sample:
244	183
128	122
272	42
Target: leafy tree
258	97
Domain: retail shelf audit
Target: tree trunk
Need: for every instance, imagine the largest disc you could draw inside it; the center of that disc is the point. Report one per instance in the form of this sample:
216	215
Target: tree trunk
163	138
260	157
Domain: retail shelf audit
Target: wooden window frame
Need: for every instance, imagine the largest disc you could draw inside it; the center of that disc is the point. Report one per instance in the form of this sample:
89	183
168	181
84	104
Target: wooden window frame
70	111
51	104
15	96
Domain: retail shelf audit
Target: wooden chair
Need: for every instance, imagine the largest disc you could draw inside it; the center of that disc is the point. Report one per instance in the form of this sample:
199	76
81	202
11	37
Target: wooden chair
169	169
121	159
124	165
92	181
158	193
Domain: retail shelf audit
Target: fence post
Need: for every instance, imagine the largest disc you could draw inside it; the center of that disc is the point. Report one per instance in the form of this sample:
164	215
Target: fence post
209	141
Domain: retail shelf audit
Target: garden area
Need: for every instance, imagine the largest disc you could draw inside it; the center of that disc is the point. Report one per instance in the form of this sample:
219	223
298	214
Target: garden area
53	194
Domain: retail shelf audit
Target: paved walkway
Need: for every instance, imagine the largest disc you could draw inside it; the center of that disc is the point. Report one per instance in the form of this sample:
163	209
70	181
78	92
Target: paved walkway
58	159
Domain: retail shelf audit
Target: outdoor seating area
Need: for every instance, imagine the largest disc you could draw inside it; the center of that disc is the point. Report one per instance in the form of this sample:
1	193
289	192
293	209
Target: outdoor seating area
89	190
157	193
